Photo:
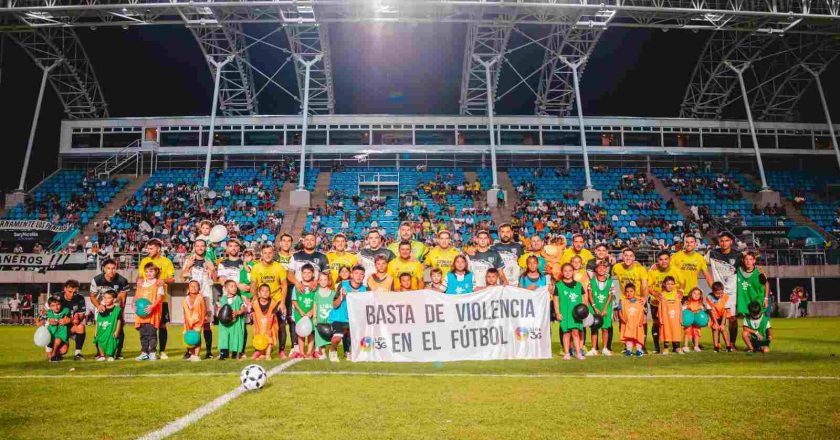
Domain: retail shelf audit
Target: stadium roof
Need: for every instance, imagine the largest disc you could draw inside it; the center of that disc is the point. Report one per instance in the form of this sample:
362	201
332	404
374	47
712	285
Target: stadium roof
268	39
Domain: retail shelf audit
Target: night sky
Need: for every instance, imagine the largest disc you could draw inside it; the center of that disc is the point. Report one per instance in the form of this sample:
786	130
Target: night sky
160	71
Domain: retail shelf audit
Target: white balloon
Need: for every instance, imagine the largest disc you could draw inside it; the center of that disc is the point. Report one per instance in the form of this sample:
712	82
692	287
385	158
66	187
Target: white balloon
42	336
211	194
303	328
218	233
588	321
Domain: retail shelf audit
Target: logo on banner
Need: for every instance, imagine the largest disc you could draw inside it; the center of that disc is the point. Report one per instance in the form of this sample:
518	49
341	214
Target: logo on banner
523	334
366	344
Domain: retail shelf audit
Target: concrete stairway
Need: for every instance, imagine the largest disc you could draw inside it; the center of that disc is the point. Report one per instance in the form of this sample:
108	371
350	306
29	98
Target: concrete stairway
116	203
679	204
792	213
294	220
502	215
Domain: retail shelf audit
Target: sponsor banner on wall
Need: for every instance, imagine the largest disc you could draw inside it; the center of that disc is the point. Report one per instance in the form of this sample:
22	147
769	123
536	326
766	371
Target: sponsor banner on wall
28	232
46	261
428	326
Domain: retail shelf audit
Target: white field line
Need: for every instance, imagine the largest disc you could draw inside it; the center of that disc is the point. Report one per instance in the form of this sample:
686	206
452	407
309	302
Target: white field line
408	374
209	408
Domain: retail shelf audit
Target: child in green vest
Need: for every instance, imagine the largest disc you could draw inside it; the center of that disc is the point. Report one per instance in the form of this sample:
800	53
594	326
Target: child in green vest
108	326
232	334
57	319
602	291
757	334
323	306
569	293
303	306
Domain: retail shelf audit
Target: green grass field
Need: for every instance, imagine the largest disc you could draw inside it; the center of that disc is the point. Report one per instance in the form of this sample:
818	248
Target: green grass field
793	392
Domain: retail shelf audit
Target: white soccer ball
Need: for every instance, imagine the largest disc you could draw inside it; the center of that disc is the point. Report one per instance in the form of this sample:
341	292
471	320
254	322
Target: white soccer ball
253	377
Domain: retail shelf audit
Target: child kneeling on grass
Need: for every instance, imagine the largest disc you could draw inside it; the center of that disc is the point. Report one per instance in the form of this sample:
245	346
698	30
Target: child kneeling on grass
194	315
632	315
108	327
265	321
323	306
56	321
232	334
757	333
150	288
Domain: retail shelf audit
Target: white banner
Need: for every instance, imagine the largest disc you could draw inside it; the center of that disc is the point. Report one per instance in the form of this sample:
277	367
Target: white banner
428	326
50	261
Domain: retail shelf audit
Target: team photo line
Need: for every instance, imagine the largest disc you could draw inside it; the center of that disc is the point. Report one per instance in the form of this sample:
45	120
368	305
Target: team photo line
303	294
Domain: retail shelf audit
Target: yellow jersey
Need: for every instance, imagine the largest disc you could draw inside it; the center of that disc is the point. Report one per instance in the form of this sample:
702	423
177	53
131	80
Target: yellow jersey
656	276
274	274
441	259
336	262
398	266
635	274
690	266
167	270
570	253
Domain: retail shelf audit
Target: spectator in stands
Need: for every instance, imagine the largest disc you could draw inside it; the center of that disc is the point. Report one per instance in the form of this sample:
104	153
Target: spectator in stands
803	302
795	299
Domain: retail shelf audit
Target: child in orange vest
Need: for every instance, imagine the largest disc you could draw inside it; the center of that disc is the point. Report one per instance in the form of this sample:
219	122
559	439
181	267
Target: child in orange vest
632	316
150	288
194	310
265	320
670	315
720	314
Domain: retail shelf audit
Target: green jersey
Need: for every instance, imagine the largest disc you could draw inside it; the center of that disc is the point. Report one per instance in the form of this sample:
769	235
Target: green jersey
245	278
323	307
106	325
749	289
569	297
600	297
58	331
305	300
232	336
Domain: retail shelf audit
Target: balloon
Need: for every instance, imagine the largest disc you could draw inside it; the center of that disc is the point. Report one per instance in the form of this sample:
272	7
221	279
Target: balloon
192	338
701	319
580	312
218	233
211	194
141	307
226	314
597	321
260	342
42	336
688	318
303	328
325	330
588	321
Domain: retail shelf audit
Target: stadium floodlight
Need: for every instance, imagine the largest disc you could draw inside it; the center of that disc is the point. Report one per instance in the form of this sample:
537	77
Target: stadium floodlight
574	66
44	75
491	128
816	76
218	76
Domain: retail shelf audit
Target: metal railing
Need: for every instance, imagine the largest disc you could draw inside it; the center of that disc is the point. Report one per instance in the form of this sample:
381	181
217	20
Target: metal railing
119	160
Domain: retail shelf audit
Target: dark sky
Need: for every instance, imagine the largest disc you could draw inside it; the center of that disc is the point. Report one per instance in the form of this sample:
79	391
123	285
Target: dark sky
379	69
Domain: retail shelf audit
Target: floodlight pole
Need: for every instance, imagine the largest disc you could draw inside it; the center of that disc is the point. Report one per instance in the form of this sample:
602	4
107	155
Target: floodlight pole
825	109
575	66
489	85
218	67
305	116
46	73
740	73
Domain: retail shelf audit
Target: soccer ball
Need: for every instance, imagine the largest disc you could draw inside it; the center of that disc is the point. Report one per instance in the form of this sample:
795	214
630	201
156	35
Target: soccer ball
253	377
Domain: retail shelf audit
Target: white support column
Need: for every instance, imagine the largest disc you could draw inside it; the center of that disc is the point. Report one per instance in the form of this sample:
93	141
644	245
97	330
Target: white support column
766	195
218	77
46	73
590	194
825	109
300	197
493	192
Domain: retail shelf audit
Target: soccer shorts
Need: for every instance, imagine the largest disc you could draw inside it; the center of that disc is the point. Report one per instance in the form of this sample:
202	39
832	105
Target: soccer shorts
339	328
